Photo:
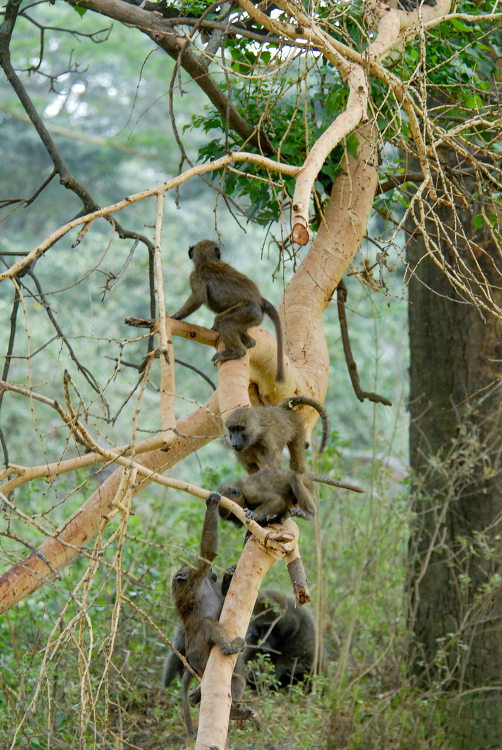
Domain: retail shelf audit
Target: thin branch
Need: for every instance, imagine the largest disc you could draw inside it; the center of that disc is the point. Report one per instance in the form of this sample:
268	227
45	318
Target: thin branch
341	297
65	177
85	372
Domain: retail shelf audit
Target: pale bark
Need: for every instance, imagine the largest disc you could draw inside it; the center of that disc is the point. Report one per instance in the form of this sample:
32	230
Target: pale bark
27	576
216	701
167	378
312	287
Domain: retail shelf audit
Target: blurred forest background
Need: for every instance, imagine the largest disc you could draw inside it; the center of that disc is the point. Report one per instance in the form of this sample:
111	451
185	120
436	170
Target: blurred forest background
107	111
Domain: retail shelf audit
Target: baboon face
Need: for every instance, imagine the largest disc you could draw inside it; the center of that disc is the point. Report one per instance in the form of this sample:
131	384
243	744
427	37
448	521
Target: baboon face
238	437
204	251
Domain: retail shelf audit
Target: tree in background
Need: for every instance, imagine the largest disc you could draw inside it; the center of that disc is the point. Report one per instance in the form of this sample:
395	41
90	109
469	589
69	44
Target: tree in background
318	115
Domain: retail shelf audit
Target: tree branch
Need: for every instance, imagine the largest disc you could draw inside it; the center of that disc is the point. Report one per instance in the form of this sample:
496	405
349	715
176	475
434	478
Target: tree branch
99	212
161	32
341	298
65	177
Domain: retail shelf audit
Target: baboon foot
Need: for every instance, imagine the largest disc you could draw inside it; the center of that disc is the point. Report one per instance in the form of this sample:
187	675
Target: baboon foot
238	644
195	696
227	354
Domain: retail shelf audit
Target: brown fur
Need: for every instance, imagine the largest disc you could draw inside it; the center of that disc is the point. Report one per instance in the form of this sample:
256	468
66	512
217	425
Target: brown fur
269	494
199	604
259	435
236	300
276	493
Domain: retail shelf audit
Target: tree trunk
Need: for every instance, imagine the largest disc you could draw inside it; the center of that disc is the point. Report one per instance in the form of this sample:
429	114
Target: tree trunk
455	446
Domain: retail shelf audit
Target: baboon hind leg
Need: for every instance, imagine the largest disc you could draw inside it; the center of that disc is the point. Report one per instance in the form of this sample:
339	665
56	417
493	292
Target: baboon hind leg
303	488
296	447
274	505
239	713
232	326
248	341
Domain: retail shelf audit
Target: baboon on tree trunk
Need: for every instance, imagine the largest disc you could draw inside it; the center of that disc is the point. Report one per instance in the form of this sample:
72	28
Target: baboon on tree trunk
199	605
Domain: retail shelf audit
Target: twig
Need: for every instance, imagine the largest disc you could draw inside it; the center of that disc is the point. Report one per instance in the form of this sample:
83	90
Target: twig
341	296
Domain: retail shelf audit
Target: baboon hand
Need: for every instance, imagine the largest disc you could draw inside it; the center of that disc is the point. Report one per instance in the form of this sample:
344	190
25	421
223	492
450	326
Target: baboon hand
238	713
213	499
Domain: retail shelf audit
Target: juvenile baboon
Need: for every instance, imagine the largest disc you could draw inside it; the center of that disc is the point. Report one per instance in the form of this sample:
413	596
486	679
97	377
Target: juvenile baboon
236	300
276	493
173	666
199	605
258	435
285	632
270	494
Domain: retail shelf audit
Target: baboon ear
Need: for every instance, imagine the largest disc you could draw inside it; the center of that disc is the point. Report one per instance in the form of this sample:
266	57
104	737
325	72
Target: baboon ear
190	252
217	252
181	575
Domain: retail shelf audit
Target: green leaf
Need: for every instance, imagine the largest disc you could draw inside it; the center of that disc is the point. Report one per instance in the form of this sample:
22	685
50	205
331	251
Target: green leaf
460	26
478	222
352	144
473	102
80	11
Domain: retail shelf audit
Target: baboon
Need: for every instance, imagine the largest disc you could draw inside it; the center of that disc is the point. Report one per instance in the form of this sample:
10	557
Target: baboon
276	493
258	435
236	300
199	605
173	666
285	632
270	494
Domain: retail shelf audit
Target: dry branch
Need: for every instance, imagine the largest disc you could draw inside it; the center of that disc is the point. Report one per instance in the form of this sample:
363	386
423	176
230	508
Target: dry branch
167	380
239	156
25	577
341	298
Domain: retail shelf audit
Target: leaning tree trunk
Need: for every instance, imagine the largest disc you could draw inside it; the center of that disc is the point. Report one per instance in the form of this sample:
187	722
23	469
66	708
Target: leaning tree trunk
455	446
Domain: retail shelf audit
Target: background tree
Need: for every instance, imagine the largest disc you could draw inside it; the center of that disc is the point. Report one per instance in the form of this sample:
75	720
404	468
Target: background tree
279	90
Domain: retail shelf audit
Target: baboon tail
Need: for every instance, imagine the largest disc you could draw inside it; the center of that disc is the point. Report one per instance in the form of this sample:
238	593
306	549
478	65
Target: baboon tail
173	667
290	403
334	482
272	313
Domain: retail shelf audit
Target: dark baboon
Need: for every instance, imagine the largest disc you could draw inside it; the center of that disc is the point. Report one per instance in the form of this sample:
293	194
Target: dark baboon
236	300
285	632
258	435
276	493
199	605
